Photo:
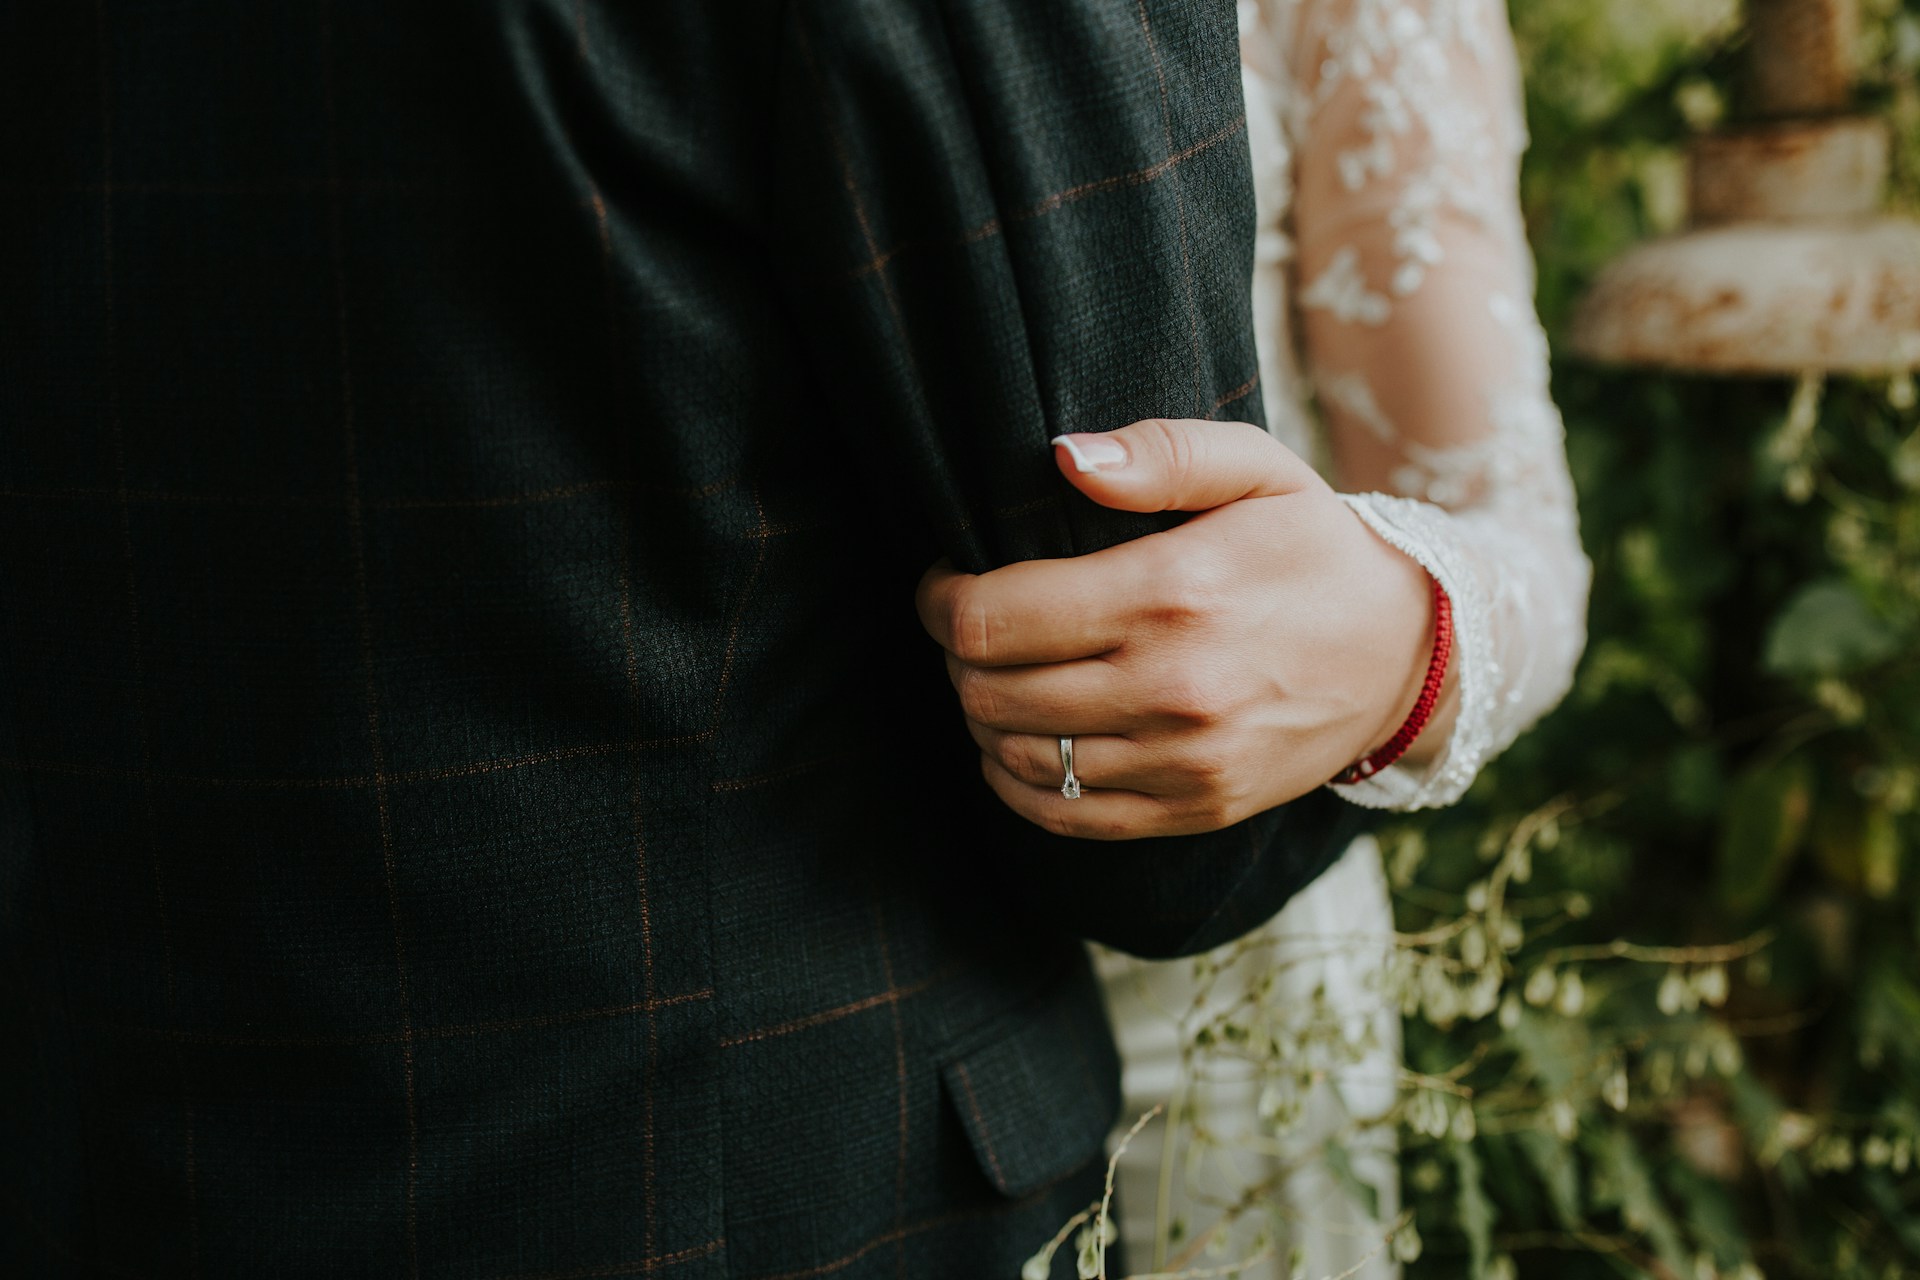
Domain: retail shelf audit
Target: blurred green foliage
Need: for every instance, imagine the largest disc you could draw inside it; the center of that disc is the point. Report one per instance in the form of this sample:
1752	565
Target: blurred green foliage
1717	833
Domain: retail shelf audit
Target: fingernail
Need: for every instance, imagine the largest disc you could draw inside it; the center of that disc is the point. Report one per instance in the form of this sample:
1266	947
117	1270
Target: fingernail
1093	452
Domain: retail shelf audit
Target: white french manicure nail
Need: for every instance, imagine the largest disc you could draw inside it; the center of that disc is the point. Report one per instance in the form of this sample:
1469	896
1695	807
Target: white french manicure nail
1092	452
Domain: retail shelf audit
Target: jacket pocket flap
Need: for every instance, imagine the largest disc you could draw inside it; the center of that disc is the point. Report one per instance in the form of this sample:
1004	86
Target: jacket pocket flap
1039	1099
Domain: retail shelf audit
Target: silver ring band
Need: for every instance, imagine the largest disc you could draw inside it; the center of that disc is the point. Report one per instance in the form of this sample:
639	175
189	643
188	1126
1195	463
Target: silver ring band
1071	787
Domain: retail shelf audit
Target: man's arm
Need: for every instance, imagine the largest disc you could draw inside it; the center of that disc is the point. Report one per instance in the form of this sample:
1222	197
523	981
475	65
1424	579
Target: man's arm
1001	223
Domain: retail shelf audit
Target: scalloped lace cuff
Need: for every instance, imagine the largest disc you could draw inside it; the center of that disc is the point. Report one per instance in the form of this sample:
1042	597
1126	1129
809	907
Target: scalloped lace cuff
1422	530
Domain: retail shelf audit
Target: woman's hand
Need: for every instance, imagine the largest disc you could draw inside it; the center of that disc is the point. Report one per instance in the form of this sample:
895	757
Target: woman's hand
1205	674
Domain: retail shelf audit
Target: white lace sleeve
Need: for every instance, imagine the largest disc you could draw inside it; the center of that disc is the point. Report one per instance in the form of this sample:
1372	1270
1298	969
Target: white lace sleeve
1414	297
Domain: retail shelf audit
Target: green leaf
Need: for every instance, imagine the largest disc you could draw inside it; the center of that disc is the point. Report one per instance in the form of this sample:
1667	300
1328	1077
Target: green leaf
1898	990
1640	1201
1559	1173
1762	826
1880	855
1890	1008
1340	1165
1710	1212
1894	1209
1511	1182
1695	781
1545	1052
1906	461
1858	843
1476	1210
1828	629
1759	1113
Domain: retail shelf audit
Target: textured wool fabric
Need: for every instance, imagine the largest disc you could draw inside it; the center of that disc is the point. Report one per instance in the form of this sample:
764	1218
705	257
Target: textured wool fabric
475	799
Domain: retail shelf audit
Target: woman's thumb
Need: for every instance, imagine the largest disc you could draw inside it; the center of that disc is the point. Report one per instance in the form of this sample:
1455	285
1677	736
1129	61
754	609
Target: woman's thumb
1179	464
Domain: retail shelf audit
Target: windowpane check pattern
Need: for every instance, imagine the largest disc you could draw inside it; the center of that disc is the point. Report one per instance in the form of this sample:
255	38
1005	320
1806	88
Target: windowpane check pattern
463	472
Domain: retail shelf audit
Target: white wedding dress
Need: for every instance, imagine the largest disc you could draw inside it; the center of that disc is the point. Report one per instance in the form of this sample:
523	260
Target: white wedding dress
1400	353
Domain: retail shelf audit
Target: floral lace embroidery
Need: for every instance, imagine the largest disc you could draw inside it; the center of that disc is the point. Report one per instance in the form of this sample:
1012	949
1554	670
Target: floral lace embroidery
1342	289
1401	119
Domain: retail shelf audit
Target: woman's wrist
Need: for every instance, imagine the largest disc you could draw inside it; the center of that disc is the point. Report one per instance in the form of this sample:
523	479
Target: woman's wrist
1421	717
1433	739
1426	591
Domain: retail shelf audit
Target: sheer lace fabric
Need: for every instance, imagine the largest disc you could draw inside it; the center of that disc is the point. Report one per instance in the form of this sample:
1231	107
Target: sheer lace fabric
1387	136
1400	355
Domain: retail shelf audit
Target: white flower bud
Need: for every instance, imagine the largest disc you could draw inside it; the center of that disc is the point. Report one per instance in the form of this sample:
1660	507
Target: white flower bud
1572	997
1540	987
1711	984
1614	1091
1473	946
1674	995
1798	483
1483	995
1660	1069
1406	1243
1900	391
1794	1130
1520	861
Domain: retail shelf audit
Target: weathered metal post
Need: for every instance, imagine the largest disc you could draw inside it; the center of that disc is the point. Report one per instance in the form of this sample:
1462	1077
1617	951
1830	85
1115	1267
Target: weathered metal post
1788	266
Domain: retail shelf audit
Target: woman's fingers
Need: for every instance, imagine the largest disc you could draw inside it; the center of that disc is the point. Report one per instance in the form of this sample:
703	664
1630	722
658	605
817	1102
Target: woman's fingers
1181	767
1033	611
1088	696
1096	815
1103	814
1124	694
1104	761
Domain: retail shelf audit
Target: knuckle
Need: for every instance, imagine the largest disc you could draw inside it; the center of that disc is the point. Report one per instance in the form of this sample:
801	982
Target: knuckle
978	700
1044	760
970	626
1188	598
1183	453
1094	825
1208	813
1189	588
1057	821
1172	446
976	626
1207	582
1210	769
1195	700
1021	757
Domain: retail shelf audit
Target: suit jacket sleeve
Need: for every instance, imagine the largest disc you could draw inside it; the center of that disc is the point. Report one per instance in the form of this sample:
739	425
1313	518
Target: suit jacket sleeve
1001	220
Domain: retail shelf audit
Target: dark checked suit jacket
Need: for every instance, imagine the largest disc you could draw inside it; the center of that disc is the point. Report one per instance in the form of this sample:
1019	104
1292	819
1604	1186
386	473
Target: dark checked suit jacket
475	800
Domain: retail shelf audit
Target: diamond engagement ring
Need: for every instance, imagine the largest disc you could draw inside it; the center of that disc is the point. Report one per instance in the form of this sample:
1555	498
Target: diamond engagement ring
1071	787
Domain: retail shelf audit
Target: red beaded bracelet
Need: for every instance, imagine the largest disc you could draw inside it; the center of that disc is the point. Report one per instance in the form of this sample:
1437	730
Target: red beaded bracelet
1423	708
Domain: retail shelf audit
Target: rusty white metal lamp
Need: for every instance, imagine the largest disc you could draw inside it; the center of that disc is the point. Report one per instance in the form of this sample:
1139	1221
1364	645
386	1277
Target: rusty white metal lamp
1789	265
